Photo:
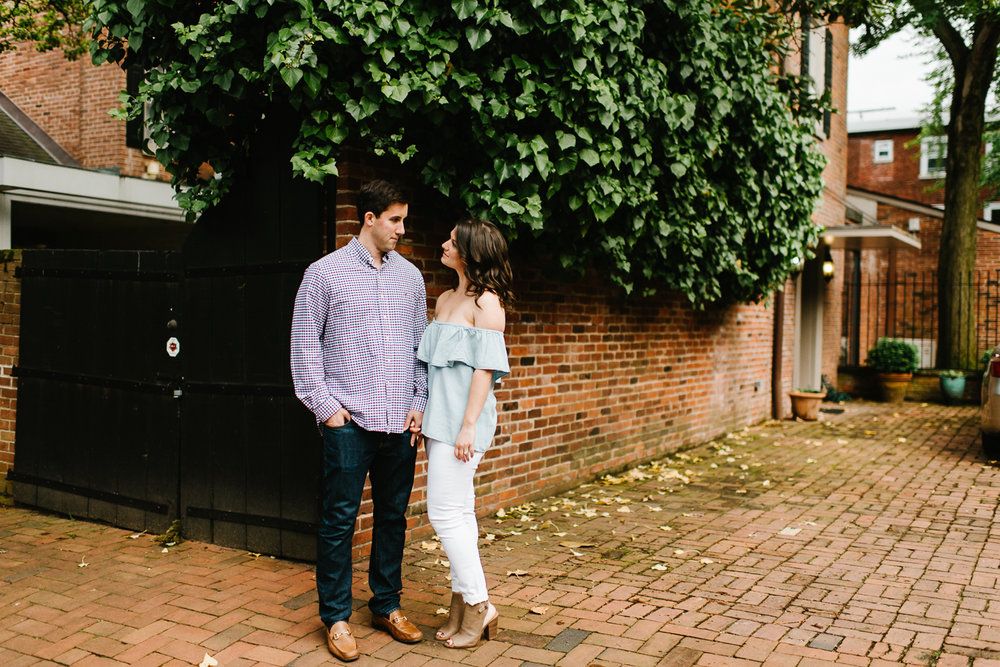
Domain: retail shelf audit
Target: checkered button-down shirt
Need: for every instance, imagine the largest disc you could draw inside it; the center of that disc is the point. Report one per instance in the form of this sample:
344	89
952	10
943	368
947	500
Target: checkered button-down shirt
355	332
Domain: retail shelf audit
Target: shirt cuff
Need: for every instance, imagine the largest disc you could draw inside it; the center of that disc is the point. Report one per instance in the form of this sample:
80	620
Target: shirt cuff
327	410
419	403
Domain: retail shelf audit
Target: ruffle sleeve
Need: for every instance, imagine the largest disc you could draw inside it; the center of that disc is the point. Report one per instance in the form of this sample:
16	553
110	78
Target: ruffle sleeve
446	344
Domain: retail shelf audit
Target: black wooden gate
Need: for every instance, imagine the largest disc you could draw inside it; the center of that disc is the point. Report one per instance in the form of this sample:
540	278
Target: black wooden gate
97	418
111	427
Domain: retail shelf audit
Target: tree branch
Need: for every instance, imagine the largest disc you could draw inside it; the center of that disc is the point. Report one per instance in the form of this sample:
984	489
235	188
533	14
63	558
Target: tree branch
985	37
952	41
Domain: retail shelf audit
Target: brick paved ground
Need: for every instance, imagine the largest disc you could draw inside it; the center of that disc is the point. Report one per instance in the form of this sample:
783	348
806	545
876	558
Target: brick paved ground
866	539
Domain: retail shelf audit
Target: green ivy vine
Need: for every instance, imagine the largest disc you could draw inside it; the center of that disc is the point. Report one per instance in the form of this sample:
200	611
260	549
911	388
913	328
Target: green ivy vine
657	140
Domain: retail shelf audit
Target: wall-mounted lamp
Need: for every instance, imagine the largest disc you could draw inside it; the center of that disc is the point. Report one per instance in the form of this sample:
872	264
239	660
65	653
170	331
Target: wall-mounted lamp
828	268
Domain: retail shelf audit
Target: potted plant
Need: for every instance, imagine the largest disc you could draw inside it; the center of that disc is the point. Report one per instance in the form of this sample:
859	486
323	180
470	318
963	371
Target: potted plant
952	385
895	362
805	403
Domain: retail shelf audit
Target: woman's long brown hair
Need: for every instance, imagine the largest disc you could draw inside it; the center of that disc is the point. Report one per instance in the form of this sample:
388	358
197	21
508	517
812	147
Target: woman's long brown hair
487	264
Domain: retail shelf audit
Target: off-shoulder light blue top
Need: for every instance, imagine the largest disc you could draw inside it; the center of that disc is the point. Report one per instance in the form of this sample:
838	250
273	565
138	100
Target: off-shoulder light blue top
452	352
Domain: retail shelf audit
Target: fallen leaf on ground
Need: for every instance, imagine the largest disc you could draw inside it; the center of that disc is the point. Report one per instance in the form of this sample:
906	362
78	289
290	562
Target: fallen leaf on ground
575	545
441	611
788	530
208	661
82	563
539	610
706	561
659	566
516	573
428	546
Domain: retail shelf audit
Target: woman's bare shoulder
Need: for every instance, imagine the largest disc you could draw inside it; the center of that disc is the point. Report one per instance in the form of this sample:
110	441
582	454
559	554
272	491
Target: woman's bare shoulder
489	312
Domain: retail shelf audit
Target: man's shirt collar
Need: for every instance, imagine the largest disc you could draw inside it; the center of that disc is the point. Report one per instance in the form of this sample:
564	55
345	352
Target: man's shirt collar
361	252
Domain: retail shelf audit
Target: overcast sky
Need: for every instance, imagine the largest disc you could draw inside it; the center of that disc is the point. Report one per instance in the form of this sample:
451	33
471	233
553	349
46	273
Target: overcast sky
889	77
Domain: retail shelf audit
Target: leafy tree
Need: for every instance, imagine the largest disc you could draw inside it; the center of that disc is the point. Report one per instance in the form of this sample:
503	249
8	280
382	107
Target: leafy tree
653	139
49	24
968	32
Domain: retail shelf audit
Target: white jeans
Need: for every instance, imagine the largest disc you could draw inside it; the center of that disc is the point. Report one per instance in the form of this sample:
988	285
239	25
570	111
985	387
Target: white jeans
451	508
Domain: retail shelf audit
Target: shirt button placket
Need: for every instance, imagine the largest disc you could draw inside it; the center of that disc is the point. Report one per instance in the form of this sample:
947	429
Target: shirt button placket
383	323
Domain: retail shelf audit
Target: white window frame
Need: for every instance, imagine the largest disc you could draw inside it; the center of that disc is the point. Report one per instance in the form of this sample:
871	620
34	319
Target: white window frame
882	151
938	146
814	64
988	211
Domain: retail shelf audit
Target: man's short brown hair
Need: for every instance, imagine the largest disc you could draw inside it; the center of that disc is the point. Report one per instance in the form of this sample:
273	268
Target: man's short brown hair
376	196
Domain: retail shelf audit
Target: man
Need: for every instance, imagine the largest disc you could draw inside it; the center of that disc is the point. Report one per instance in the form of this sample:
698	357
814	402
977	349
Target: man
359	315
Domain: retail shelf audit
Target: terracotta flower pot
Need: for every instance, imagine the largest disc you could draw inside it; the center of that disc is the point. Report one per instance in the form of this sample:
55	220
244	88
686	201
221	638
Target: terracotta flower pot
894	386
805	404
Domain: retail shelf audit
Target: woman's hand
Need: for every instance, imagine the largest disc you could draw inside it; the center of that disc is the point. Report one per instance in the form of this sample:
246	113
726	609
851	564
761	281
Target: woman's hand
414	421
464	444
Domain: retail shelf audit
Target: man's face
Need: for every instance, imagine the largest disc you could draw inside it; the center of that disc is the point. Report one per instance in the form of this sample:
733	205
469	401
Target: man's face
387	229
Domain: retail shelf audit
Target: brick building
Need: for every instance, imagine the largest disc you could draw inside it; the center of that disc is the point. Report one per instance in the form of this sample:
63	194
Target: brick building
895	180
67	177
598	382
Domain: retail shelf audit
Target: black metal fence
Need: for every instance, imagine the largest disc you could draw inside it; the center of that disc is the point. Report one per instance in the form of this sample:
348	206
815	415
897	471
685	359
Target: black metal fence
905	306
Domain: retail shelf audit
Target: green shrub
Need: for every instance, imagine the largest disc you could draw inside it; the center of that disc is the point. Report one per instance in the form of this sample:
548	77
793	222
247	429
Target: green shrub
893	356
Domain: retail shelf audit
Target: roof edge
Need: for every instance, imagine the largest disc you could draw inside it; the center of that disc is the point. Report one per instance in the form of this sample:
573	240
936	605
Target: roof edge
35	133
914	206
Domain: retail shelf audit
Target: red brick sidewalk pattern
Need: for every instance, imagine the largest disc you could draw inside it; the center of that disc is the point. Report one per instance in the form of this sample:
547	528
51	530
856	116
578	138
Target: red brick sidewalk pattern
868	538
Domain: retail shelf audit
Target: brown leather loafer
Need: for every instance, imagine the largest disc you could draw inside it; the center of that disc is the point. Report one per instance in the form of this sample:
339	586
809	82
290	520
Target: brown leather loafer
398	626
341	642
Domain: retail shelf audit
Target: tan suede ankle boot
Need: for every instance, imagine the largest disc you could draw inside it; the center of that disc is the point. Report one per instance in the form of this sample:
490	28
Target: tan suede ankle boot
454	621
478	621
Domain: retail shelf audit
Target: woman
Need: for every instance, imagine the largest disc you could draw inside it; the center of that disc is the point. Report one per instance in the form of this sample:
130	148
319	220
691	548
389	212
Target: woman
465	354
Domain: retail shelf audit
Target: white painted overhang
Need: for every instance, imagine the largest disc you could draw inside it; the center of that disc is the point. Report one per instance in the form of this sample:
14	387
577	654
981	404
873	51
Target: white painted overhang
869	237
71	187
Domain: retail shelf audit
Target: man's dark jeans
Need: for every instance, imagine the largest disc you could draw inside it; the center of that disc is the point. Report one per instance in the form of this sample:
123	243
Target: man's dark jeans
349	454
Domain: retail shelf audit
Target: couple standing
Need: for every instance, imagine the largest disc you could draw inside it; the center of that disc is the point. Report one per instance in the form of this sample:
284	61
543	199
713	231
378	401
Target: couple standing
379	380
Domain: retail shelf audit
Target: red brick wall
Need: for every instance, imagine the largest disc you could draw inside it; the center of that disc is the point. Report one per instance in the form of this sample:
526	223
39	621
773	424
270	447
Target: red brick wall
10	321
597	382
70	102
899	178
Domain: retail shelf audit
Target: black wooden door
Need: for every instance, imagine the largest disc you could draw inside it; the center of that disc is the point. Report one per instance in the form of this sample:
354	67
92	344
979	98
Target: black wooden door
97	423
250	461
